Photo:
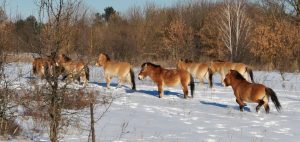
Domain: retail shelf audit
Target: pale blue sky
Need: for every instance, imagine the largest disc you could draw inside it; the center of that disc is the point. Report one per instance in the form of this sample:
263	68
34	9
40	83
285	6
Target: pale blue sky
28	7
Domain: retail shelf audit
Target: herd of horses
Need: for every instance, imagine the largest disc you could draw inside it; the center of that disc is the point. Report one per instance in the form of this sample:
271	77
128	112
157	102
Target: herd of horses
232	74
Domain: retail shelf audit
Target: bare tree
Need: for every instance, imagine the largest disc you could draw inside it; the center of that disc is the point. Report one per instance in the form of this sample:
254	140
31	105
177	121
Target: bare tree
295	5
59	15
234	26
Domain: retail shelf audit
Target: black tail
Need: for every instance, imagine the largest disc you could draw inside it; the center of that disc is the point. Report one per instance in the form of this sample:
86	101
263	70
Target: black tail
210	75
274	98
34	69
192	84
249	71
87	72
132	79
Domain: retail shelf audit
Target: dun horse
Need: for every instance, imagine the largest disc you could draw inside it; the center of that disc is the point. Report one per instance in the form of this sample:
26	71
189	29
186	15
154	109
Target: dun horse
43	67
198	70
168	77
122	70
245	91
223	67
73	69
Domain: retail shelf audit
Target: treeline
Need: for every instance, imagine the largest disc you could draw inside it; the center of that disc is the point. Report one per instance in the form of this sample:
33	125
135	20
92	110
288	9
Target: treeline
263	33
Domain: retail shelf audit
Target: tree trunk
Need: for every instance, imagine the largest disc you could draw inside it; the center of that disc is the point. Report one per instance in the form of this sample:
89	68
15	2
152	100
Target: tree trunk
54	112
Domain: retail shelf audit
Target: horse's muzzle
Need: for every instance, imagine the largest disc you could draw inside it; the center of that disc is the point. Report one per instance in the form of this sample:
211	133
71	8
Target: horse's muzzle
140	77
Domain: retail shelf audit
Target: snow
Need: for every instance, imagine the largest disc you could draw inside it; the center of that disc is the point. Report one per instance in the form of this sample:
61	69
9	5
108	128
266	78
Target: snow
211	116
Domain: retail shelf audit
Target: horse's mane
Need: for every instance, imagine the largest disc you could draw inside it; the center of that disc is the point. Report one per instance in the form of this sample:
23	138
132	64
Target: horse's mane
219	60
188	61
237	75
66	58
107	57
151	64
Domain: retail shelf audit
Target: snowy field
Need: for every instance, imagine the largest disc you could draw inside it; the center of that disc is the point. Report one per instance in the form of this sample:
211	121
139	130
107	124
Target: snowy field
211	116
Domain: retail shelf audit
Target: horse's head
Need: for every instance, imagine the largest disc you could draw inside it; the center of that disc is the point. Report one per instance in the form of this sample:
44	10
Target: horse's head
102	59
147	68
62	58
180	64
231	76
228	79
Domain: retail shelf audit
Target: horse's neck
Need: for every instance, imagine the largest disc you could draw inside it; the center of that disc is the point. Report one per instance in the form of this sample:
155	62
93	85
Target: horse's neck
156	72
107	62
235	83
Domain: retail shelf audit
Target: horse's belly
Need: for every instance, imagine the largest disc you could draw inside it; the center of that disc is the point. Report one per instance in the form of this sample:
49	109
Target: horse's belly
172	83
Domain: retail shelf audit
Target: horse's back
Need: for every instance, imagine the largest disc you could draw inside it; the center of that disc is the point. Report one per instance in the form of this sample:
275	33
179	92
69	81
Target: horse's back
197	69
73	65
172	77
240	67
117	68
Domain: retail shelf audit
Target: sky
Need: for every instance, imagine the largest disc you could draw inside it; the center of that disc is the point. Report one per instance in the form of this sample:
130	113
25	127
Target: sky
24	8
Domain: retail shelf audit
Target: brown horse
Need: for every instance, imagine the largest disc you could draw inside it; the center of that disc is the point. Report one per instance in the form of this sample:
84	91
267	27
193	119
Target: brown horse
43	67
245	91
198	70
122	70
73	69
223	67
168	77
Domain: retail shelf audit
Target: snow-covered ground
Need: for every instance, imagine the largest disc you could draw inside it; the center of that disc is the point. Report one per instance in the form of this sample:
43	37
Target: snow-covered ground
211	116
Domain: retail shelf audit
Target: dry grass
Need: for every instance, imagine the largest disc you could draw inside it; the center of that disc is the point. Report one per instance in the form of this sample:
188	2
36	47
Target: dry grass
9	127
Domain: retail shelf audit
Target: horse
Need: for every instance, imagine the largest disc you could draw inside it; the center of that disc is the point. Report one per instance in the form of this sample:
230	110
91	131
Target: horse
123	70
168	77
245	91
198	70
223	67
43	67
73	69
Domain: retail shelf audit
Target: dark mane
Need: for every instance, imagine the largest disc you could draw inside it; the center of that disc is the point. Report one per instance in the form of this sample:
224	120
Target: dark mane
107	57
66	58
188	61
151	64
237	75
219	60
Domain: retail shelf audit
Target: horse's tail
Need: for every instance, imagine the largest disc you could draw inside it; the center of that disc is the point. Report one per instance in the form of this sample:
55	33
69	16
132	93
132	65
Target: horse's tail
34	70
274	98
250	72
192	84
210	75
132	79
87	72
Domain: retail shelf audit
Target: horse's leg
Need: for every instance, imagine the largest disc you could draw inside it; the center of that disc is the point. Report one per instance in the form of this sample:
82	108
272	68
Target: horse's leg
260	103
122	80
160	90
107	78
241	103
222	77
201	81
85	80
267	108
185	91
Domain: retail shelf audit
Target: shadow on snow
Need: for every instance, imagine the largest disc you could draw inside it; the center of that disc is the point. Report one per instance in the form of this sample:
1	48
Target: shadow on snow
236	107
